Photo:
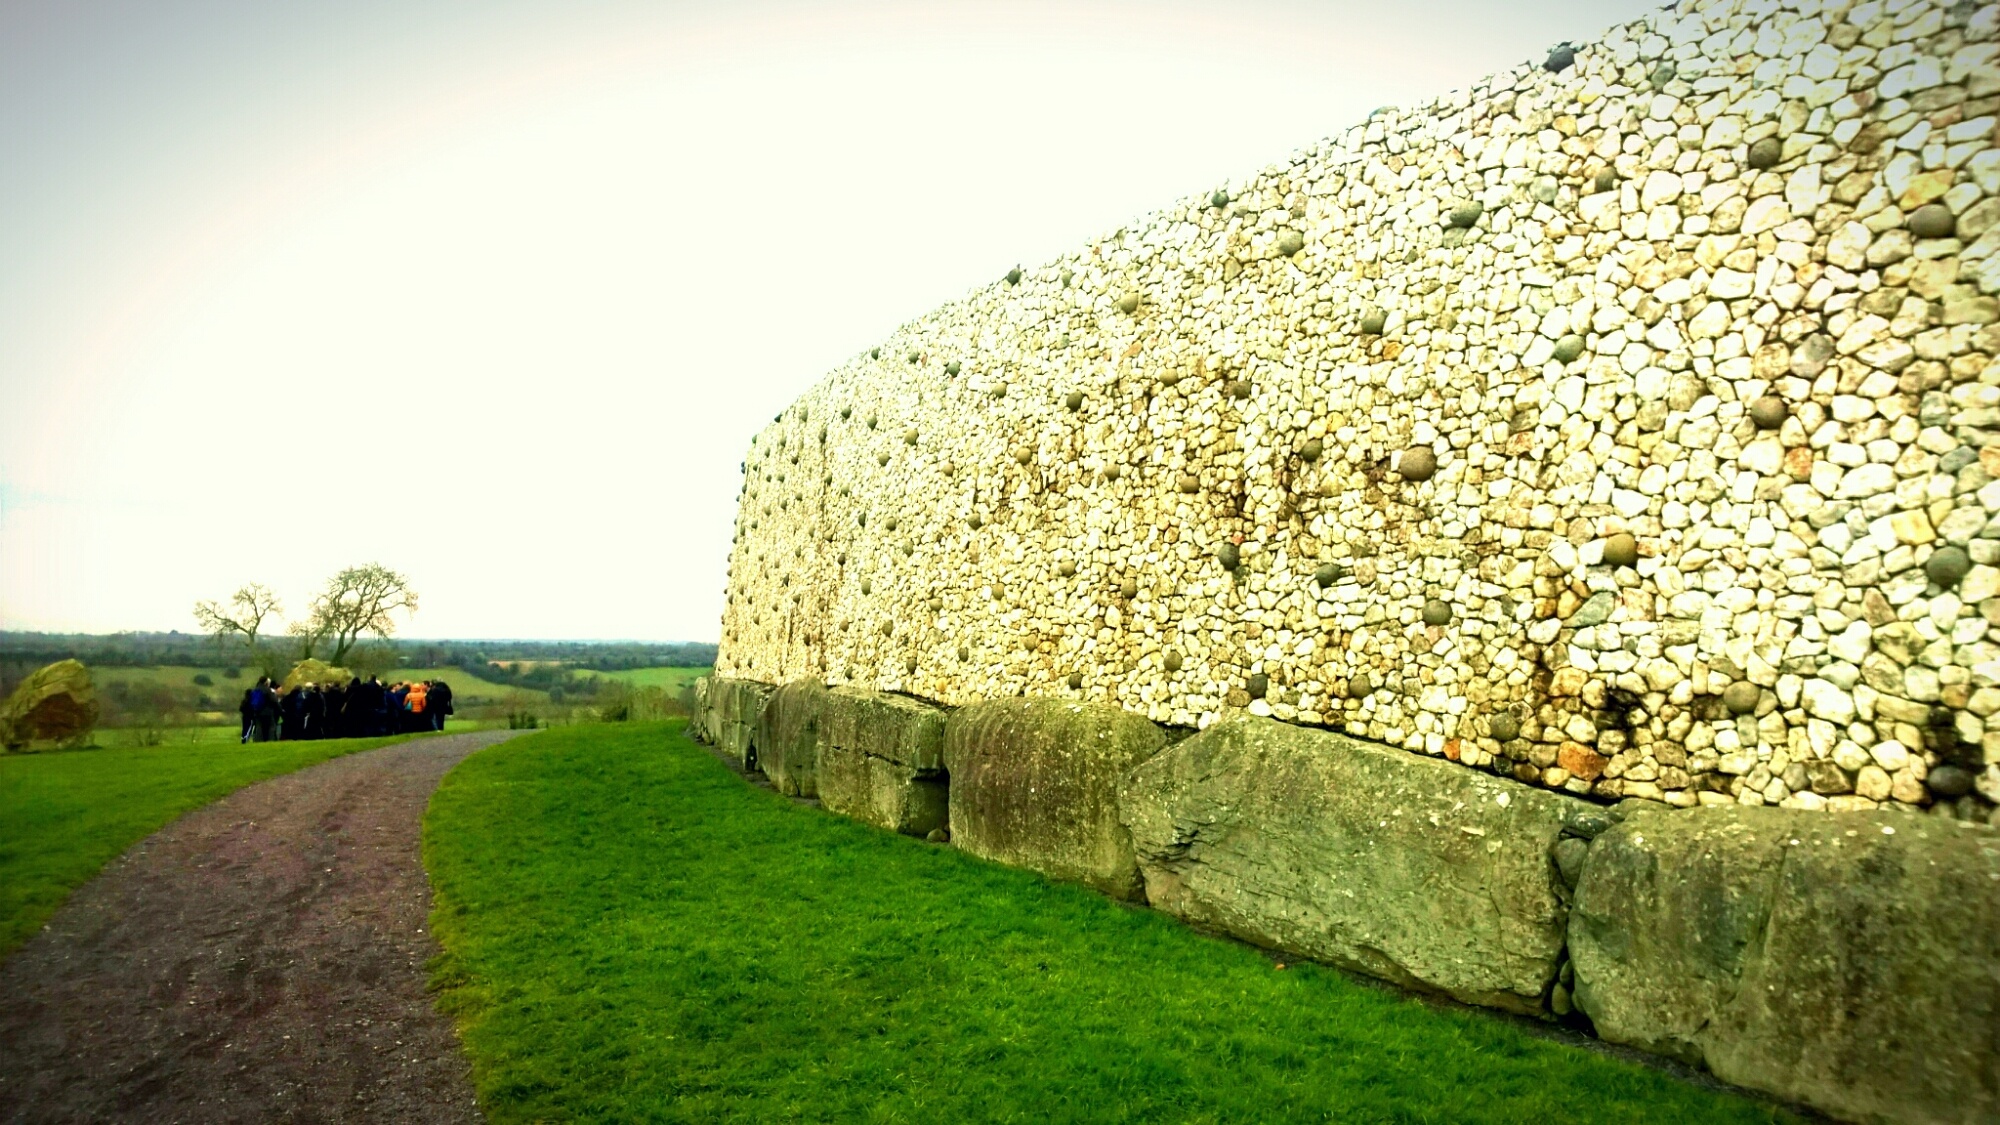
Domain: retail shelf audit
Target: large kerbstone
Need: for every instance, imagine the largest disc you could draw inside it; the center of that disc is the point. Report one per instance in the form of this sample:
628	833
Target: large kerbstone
700	716
1847	960
735	707
1412	869
788	737
1034	783
880	759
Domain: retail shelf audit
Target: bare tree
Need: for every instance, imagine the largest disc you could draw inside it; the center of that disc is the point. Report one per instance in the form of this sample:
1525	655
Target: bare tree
356	602
245	615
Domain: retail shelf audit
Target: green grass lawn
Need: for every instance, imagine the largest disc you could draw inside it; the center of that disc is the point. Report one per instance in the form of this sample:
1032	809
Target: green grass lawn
670	678
64	815
632	933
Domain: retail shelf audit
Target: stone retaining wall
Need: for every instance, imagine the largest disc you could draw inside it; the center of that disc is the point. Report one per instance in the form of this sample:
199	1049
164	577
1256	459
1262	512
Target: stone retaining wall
1847	961
1627	424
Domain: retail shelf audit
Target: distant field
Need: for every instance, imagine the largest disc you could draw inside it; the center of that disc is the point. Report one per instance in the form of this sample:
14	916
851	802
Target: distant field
669	678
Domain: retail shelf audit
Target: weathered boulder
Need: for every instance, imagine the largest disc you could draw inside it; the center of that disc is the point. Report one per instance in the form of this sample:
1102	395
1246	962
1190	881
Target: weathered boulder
788	737
1408	868
880	759
734	706
1850	961
54	704
315	671
700	715
1034	783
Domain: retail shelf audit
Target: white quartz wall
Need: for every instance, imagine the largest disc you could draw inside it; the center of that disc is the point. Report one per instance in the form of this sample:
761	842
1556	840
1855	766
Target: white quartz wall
1718	292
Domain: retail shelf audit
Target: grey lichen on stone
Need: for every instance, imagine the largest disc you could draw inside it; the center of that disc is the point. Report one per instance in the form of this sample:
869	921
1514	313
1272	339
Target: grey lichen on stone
1239	388
1769	412
1437	612
1311	449
1075	681
1229	555
1503	726
1741	697
1607	178
1466	212
1595	611
1360	686
1066	569
1258	685
1373	322
1560	59
1073	400
1128	588
1290	242
1328	573
1947	565
976	521
1662	74
1418	463
1765	153
1621	549
1189	483
1568	348
1171	661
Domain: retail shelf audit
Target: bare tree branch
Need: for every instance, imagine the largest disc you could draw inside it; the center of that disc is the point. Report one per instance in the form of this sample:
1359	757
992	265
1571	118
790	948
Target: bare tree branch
356	602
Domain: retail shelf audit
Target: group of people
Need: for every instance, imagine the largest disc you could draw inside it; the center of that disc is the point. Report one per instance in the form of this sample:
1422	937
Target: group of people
356	709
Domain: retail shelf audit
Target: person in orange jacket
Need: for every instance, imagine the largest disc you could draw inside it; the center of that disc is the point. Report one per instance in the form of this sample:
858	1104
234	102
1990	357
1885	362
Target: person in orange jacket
414	704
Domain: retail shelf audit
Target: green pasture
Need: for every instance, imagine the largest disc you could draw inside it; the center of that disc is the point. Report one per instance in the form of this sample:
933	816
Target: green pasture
672	679
632	933
65	814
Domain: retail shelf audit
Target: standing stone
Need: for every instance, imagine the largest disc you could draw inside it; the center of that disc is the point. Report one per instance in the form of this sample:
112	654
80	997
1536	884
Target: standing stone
56	703
1404	867
1034	783
788	737
1844	960
880	760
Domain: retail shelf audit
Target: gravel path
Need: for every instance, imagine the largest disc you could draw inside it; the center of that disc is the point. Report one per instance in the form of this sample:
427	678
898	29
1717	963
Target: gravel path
260	959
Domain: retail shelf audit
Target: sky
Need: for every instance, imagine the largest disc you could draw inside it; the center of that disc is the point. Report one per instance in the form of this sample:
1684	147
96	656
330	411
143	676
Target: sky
496	294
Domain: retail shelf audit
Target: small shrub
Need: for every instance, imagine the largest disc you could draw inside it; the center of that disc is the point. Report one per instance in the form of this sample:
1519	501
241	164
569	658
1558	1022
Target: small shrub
203	679
232	673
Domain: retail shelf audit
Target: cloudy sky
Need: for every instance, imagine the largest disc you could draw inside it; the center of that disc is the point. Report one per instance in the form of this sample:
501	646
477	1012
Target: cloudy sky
496	293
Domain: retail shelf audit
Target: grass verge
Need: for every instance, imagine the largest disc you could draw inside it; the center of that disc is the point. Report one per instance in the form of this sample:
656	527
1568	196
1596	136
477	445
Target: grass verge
631	933
65	814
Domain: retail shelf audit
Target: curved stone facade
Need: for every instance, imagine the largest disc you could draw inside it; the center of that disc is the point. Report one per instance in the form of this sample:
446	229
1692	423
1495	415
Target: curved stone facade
1628	424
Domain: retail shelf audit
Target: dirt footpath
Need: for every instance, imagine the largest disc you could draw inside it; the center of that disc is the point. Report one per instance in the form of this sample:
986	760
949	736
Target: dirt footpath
261	959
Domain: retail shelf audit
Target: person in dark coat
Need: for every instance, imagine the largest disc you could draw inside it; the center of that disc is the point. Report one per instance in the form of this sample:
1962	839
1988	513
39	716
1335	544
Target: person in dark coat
440	703
315	713
248	709
292	712
333	704
267	710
